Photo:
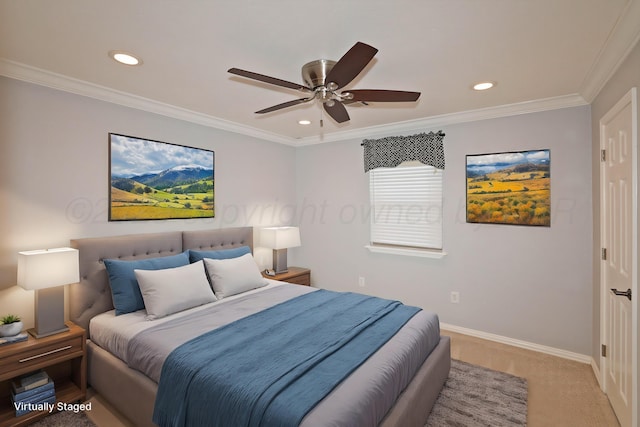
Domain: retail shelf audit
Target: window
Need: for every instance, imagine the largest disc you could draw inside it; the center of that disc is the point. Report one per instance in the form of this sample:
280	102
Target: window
406	204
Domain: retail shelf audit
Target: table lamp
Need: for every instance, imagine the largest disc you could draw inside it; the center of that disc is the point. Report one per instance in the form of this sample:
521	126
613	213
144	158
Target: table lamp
280	239
46	271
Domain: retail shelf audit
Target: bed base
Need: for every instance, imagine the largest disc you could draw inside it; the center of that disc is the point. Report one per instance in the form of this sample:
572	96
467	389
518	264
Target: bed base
134	394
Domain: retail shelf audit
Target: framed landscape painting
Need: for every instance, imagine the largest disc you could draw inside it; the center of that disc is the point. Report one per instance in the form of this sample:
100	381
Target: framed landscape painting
509	188
157	180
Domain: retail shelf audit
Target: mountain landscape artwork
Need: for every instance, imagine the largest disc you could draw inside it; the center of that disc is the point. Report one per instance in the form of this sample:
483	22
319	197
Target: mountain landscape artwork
157	180
509	188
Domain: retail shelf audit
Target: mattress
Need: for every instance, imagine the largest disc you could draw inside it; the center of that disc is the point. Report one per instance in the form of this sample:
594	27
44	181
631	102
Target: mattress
362	399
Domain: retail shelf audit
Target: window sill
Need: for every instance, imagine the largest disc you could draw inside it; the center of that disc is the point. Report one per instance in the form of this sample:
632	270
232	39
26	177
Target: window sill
423	253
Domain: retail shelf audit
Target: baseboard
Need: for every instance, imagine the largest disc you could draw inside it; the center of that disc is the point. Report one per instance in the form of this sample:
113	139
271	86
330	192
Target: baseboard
577	357
596	372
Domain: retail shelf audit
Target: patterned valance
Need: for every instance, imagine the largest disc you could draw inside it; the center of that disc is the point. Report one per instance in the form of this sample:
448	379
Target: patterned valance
389	152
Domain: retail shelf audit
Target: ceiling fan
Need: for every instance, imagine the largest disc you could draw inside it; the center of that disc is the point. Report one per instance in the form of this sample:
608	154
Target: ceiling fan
324	80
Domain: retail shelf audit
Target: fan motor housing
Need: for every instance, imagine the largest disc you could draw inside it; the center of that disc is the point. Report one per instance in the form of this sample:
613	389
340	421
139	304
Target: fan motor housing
314	73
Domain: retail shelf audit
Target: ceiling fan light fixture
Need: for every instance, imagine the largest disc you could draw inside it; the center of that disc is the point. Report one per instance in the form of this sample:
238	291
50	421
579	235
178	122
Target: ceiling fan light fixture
323	78
483	86
124	58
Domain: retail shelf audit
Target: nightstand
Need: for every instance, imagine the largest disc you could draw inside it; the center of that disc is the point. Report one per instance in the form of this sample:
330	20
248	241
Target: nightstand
296	275
63	356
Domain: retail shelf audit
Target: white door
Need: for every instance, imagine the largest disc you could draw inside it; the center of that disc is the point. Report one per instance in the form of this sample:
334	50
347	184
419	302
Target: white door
619	241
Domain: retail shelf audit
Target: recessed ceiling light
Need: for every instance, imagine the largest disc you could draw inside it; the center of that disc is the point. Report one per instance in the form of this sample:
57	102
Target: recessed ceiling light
483	85
304	122
124	57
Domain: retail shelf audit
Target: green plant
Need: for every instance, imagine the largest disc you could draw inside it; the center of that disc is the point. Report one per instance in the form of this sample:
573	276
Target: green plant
10	318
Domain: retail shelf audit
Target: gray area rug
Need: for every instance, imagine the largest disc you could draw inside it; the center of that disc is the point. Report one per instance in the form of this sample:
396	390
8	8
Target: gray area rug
475	396
472	397
65	419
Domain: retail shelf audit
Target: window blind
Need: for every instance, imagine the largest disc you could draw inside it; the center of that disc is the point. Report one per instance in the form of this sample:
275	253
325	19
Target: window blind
406	204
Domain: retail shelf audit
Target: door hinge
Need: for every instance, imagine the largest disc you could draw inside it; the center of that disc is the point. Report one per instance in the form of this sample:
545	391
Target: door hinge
604	254
603	155
604	350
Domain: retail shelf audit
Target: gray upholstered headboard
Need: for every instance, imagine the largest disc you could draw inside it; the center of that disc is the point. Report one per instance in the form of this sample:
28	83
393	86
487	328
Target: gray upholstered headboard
92	295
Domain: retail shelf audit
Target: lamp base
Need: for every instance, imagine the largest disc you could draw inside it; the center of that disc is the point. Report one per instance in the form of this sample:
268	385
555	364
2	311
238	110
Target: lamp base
280	261
49	307
35	333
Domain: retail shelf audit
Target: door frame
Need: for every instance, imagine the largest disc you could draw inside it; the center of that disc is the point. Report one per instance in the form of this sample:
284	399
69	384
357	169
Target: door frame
630	97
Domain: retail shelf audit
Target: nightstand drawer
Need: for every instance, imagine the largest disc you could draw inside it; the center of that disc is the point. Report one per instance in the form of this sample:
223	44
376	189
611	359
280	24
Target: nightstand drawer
34	358
295	275
303	279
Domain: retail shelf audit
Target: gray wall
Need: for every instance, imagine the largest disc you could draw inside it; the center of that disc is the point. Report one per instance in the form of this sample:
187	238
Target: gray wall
54	175
625	78
526	283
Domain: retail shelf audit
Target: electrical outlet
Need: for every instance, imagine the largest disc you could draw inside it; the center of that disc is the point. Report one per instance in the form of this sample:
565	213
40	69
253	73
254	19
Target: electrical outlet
361	281
455	297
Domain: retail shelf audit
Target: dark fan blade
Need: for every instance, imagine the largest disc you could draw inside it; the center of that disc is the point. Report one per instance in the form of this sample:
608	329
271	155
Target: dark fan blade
284	105
351	64
267	79
372	95
338	112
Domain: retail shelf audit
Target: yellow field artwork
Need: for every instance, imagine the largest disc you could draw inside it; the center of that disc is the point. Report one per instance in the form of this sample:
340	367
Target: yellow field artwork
509	188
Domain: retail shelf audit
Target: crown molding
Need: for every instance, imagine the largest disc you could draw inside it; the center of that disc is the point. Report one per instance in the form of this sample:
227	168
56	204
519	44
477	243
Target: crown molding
27	73
621	41
420	125
57	81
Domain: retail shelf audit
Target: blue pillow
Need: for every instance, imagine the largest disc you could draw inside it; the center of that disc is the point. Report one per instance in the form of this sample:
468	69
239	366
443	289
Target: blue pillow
125	291
195	256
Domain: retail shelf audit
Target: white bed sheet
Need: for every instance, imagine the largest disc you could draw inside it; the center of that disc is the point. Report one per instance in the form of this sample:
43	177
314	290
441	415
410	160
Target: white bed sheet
113	333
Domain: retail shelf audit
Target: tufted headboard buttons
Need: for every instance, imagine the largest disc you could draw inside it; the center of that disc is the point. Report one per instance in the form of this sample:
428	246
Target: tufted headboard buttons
222	238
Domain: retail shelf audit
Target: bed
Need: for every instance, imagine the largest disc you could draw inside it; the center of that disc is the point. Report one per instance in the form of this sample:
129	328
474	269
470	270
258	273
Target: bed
133	392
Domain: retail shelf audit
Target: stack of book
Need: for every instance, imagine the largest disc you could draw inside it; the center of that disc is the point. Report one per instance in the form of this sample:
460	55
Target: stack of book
32	392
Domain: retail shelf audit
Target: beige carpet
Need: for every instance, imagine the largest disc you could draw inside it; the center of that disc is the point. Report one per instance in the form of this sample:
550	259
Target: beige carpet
562	393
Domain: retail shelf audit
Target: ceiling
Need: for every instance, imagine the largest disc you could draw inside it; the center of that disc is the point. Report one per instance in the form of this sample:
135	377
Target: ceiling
542	54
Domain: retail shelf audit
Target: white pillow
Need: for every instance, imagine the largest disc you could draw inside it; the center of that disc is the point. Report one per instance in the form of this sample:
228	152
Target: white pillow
234	275
174	289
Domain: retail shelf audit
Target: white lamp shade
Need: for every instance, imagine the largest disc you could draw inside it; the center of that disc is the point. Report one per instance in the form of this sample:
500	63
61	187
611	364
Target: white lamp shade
46	268
280	237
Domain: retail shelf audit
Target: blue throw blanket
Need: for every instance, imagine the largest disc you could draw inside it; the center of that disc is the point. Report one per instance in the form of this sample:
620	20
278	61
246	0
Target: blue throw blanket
273	367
